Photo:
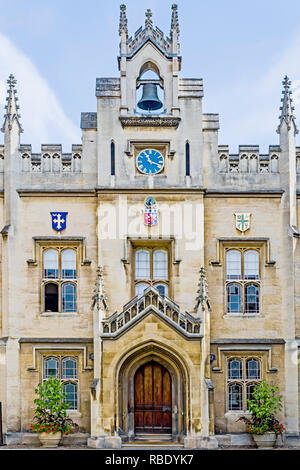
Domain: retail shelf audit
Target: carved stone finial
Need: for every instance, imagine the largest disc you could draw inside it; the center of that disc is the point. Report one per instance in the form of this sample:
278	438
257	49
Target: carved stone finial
99	296
148	21
123	20
202	297
287	109
174	21
11	107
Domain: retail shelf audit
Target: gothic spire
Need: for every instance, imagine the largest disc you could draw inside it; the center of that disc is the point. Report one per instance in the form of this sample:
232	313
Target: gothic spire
123	20
287	109
174	21
148	20
202	297
99	296
11	107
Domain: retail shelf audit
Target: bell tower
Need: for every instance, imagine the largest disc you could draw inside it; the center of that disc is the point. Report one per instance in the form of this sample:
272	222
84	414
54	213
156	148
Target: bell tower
149	108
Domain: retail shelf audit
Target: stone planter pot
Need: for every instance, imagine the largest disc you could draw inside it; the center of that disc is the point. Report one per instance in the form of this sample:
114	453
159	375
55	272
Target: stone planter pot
50	440
265	441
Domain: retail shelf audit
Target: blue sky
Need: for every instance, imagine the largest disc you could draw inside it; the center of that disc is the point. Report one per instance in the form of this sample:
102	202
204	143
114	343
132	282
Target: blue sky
242	50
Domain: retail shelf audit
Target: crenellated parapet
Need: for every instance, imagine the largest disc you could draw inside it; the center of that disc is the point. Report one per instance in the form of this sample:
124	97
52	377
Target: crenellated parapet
249	160
51	159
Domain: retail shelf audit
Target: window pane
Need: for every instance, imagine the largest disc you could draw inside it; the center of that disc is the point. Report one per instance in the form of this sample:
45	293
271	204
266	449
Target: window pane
139	288
234	298
253	369
233	264
235	369
249	392
235	397
50	264
51	297
160	264
69	368
251	260
71	390
251	298
51	368
162	289
142	264
69	298
68	264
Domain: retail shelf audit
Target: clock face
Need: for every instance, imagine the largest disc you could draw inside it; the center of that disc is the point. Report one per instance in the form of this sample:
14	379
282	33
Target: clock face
150	161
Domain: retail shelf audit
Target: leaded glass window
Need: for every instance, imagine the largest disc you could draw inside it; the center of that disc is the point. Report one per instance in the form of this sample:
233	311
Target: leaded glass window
68	264
51	368
70	388
68	297
243	374
64	369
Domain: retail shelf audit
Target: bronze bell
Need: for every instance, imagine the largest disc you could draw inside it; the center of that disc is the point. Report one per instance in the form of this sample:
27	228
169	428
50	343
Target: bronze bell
150	100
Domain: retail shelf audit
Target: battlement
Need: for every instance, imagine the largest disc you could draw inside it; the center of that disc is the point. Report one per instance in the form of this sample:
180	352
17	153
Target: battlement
51	159
249	160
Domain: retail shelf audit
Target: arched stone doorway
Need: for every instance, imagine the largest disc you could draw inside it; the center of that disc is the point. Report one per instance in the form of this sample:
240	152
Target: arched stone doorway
172	378
152	399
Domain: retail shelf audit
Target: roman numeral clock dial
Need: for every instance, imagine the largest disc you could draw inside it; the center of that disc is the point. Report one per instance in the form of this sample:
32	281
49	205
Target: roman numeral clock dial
150	161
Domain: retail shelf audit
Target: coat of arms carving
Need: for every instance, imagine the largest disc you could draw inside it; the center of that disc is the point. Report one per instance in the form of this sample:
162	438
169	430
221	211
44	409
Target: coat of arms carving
242	221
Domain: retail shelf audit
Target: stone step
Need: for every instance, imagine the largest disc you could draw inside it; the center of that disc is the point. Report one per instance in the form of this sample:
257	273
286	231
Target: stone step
153	437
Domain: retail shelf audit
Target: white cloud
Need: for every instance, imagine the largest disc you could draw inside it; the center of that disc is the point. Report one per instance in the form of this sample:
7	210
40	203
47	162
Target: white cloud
42	116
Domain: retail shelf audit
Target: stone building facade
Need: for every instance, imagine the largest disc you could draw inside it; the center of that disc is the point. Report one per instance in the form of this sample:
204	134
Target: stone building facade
150	270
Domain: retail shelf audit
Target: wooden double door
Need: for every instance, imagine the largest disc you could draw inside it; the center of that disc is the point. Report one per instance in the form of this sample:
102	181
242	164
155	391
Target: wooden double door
153	399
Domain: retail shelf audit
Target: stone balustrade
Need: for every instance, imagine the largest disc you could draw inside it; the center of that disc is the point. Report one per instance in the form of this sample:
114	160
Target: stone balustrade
51	159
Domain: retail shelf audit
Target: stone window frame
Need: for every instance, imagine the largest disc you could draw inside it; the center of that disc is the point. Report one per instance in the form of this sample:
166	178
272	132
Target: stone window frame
41	243
265	261
75	380
151	245
244	382
243	282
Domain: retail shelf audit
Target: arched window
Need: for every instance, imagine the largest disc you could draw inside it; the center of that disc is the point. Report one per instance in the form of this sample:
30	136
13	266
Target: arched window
233	264
234	298
162	289
50	264
69	368
142	264
51	366
70	388
160	264
235	369
251	298
187	159
235	397
51	297
112	158
253	369
251	264
68	297
140	287
68	264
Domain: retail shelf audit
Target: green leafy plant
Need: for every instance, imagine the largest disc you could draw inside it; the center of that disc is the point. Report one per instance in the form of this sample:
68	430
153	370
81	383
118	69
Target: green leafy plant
263	406
51	409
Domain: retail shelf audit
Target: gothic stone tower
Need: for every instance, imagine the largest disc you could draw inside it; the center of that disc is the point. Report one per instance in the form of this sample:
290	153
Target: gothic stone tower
152	353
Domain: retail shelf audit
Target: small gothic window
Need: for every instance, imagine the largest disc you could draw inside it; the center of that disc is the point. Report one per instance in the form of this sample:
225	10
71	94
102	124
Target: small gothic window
251	298
235	369
68	297
112	158
234	298
162	289
187	159
70	389
140	287
253	369
50	264
235	395
51	297
51	366
251	261
234	264
142	264
160	264
68	264
69	368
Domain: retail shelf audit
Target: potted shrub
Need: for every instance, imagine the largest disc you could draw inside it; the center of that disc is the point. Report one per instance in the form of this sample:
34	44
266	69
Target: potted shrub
263	406
50	419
